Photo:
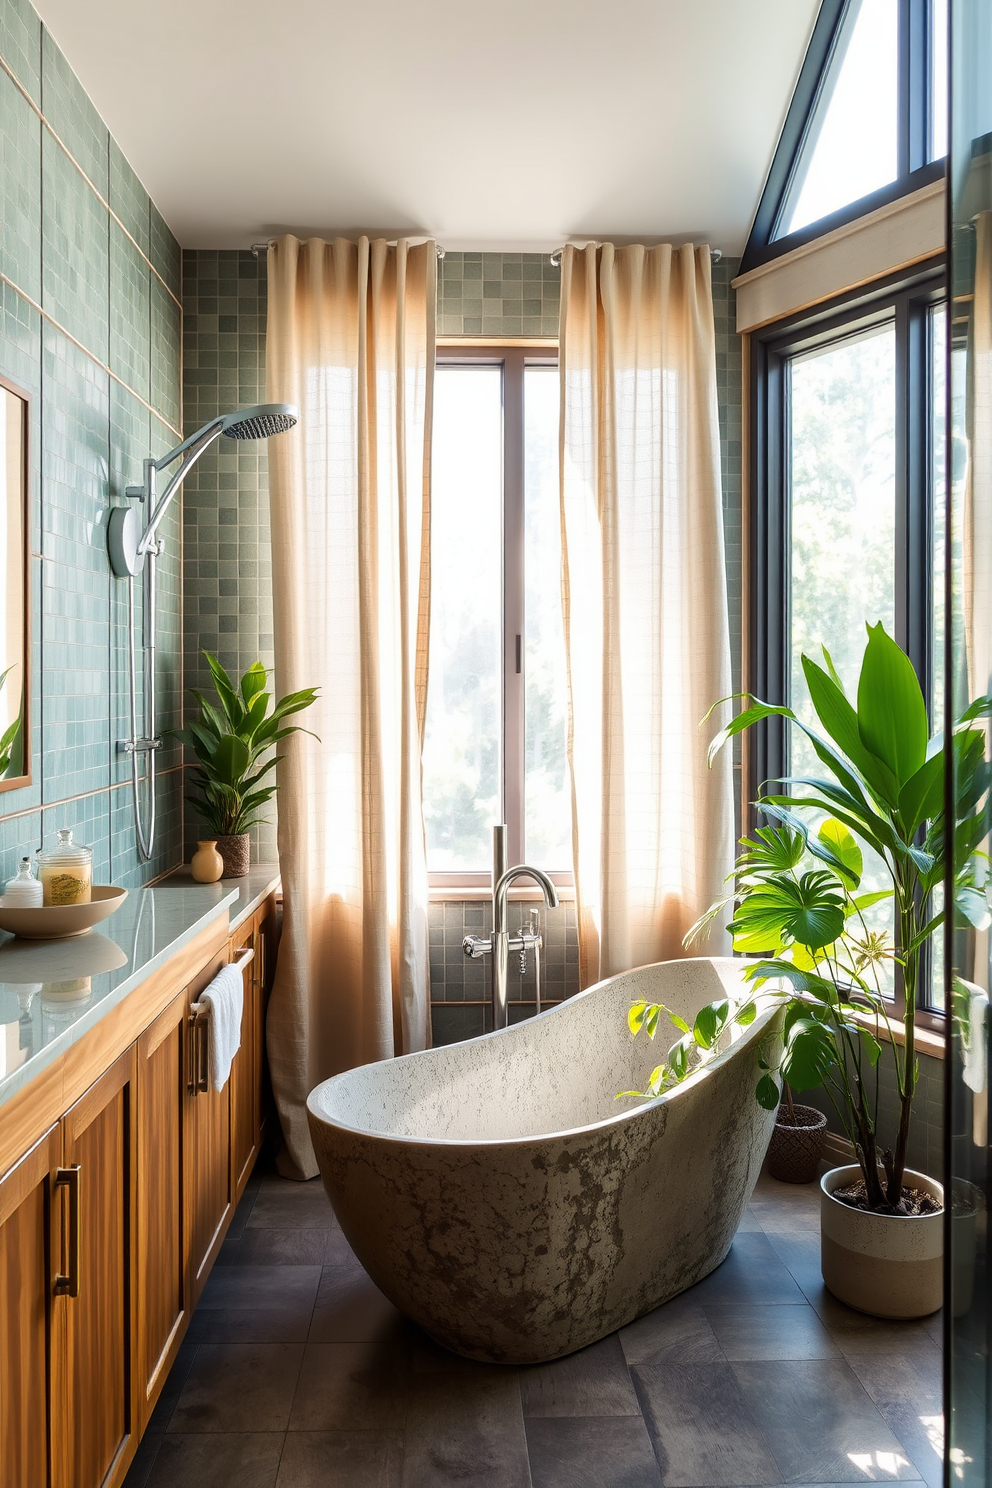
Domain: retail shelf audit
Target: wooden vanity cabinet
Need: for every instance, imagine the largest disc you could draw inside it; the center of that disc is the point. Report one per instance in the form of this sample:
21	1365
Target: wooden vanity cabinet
118	1180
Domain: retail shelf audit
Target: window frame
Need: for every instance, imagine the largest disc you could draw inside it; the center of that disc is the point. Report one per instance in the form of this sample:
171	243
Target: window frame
914	131
513	356
904	299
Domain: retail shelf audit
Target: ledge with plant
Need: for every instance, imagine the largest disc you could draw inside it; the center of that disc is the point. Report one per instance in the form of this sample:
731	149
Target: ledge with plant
232	739
800	907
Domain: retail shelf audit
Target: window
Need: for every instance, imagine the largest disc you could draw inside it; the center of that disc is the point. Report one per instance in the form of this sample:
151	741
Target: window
867	122
495	748
847	477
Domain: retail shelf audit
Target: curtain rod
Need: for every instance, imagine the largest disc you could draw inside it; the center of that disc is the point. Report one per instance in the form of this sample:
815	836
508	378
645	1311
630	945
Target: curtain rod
715	253
715	256
258	248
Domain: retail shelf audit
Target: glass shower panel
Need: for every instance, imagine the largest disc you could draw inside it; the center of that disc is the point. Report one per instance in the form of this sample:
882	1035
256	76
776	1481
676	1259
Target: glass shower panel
968	676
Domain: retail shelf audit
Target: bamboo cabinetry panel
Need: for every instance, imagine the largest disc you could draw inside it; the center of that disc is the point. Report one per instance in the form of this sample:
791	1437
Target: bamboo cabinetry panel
94	1413
26	1272
162	1285
207	1123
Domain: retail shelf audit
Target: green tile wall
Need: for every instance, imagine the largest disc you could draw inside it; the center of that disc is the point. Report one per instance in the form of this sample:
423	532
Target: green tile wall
90	325
497	294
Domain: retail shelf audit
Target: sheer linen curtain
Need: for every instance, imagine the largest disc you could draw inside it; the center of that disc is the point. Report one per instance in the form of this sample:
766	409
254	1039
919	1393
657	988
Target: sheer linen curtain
644	599
350	340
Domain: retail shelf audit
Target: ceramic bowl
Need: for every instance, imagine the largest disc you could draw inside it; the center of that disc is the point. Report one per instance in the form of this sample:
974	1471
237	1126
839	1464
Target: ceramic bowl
56	921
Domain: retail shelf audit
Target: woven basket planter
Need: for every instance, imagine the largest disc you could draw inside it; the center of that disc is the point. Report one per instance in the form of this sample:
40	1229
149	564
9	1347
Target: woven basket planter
236	852
794	1151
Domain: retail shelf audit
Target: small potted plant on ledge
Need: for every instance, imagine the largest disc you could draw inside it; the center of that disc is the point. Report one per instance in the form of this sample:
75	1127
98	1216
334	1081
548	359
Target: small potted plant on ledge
801	909
231	743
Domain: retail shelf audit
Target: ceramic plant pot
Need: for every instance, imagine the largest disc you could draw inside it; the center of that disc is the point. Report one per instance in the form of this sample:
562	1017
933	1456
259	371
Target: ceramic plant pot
236	854
795	1148
207	865
888	1265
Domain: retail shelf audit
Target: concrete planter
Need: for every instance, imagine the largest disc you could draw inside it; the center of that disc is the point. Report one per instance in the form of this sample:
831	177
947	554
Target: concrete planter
888	1265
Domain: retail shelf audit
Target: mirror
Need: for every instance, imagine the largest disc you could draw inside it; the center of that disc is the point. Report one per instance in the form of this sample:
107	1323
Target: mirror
15	755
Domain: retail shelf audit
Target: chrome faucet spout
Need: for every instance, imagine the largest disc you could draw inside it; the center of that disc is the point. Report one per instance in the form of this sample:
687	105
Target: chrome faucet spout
501	936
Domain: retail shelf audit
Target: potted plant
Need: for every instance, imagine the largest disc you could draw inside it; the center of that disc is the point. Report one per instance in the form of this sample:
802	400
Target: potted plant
800	908
797	1141
231	743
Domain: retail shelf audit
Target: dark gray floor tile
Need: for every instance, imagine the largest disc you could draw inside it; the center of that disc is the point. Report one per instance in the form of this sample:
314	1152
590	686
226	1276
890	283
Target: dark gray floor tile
465	1427
351	1309
577	1452
350	1387
749	1222
677	1333
228	1460
237	1226
771	1332
595	1381
144	1461
337	1251
228	1252
857	1333
908	1394
703	1433
819	1422
801	1253
173	1387
250	1325
269	1247
753	1273
267	1288
282	1205
239	1387
786	1206
342	1459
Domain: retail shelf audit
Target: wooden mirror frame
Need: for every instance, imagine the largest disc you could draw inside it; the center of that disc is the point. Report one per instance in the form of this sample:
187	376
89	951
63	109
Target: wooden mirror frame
18	782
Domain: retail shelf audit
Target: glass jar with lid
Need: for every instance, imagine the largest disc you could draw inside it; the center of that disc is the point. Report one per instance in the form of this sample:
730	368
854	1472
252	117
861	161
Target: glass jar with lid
66	871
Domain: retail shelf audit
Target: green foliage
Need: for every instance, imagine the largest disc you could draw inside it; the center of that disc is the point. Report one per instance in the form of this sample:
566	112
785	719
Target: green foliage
231	743
796	909
10	738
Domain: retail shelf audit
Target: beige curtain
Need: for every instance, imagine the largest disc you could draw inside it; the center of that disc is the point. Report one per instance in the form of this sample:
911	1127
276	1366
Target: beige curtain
645	603
350	341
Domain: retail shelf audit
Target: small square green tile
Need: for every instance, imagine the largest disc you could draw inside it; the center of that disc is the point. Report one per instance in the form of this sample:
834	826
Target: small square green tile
128	198
75	251
20	44
166	353
20	203
129	313
68	109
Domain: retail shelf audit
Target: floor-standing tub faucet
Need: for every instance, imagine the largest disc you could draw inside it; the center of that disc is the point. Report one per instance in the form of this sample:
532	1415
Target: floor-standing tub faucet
500	943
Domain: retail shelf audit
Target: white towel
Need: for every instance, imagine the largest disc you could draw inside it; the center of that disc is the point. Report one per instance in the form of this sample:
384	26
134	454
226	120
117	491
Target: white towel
974	1036
223	1001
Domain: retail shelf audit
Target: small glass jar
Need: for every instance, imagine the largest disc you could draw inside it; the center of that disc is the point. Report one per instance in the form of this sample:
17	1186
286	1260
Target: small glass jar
66	871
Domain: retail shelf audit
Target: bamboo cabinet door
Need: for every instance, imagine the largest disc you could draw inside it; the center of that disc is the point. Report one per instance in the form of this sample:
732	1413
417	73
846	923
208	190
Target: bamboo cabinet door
209	1192
94	1404
244	1077
27	1271
162	1282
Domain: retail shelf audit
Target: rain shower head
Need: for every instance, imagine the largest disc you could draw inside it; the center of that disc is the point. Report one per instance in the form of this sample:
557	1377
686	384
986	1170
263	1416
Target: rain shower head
260	422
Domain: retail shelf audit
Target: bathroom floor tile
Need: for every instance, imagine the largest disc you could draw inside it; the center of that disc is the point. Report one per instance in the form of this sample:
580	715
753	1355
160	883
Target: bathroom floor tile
342	1459
753	1273
350	1387
264	1288
577	1452
703	1431
351	1309
268	1247
820	1423
465	1427
239	1387
173	1387
907	1391
678	1332
250	1325
281	1205
230	1460
776	1332
595	1381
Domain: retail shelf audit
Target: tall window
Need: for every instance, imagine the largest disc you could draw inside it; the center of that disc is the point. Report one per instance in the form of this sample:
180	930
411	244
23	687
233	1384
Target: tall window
497	702
848	473
867	122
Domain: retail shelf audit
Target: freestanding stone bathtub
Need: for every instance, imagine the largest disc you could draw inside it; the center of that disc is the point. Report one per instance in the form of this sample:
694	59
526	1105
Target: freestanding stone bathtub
502	1197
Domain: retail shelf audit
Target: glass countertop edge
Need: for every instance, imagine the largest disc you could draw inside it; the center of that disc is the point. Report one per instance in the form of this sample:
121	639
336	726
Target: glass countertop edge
199	906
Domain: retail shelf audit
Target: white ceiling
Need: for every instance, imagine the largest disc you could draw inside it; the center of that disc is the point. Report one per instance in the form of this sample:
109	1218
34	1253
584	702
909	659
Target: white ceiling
515	125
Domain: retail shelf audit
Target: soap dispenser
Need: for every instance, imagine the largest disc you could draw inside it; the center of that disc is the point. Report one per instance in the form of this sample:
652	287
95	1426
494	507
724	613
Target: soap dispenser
24	891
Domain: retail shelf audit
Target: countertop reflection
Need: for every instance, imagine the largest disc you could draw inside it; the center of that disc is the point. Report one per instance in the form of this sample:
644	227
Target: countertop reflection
53	992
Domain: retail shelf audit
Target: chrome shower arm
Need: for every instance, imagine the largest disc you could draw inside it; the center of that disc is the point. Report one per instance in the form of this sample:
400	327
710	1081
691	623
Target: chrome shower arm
192	448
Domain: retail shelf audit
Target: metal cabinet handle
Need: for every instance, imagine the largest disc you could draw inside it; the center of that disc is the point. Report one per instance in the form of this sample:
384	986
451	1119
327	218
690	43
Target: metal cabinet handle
199	1082
68	1178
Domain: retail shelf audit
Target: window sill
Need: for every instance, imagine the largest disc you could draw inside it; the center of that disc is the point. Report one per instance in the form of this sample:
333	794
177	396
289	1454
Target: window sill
482	893
926	1040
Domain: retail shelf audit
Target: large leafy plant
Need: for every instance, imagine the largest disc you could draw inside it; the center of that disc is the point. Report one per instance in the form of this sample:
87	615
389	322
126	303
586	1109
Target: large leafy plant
800	907
232	740
10	735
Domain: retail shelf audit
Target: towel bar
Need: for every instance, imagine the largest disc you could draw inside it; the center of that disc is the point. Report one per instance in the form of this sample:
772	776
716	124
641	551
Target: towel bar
198	1082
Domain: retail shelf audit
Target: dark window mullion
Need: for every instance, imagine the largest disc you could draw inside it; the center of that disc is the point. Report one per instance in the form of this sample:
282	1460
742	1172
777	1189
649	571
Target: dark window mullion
914	90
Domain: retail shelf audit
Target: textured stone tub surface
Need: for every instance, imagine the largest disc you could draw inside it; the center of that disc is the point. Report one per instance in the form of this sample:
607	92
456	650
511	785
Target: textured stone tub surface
500	1194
